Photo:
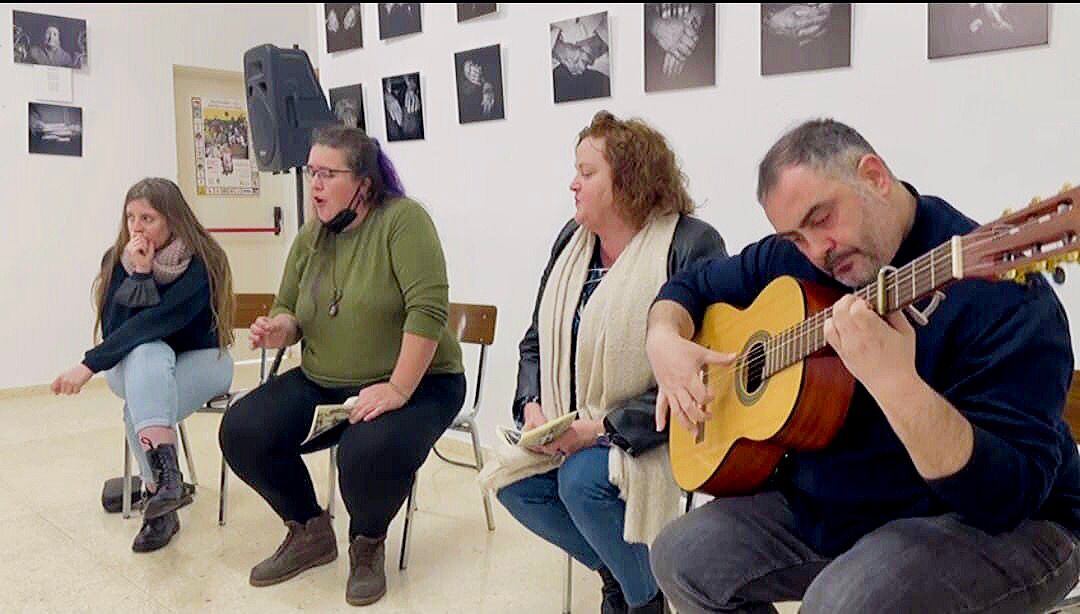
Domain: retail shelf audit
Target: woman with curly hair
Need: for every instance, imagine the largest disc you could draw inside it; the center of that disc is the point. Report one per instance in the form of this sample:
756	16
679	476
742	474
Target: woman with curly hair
603	490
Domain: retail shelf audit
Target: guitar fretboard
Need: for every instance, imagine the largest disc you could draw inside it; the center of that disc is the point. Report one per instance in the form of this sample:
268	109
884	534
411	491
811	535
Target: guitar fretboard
904	286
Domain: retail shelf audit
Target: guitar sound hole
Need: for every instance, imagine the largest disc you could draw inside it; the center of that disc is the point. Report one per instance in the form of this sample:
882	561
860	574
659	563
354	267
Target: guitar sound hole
754	370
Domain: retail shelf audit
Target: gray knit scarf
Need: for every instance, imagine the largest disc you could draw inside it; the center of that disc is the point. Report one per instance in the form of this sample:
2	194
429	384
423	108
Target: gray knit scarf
169	263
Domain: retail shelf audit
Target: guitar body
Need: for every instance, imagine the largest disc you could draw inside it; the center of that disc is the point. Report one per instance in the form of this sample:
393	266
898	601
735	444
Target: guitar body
755	421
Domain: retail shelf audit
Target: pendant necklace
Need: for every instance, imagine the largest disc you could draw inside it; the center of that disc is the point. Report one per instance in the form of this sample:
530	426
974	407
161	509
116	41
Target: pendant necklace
336	299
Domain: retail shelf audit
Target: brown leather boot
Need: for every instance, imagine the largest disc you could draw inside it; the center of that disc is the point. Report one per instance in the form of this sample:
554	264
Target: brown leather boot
307	545
367	570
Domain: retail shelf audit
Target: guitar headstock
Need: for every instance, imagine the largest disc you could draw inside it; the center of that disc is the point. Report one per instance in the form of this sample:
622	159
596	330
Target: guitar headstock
1038	238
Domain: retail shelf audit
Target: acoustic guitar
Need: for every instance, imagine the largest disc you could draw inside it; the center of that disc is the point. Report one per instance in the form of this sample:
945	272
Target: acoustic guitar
788	391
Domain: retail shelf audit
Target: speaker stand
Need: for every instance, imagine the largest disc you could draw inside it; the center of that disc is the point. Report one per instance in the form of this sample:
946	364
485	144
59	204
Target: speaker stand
299	198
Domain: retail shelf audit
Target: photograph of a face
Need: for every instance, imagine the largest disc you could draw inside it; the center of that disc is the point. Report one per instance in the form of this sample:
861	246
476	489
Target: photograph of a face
965	28
801	37
343	27
398	19
581	58
347	105
49	40
403	107
55	129
680	45
479	84
472	10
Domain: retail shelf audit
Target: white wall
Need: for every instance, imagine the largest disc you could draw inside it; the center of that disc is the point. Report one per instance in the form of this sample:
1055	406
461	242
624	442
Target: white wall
986	132
60	213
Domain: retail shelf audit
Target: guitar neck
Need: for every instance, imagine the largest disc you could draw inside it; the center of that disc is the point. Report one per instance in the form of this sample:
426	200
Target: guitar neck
902	287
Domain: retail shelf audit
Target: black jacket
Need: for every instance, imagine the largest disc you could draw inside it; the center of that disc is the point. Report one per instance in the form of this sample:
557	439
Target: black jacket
632	426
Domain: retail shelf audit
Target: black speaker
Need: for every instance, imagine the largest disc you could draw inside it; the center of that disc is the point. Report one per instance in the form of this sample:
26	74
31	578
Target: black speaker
285	103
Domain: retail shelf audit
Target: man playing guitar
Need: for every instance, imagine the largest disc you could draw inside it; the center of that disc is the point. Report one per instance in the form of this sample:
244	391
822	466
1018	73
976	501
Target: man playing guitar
953	484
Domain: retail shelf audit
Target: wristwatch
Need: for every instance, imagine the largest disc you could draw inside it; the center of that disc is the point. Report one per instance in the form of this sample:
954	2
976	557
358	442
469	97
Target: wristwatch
603	439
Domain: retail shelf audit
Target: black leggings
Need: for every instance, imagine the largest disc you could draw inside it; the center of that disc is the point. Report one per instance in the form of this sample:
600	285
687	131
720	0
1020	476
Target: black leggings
377	461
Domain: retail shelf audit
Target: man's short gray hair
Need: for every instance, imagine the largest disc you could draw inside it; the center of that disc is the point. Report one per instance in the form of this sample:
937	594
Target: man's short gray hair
825	145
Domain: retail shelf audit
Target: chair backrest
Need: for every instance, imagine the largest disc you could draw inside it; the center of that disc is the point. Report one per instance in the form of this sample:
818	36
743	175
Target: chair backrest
248	307
1072	406
472	323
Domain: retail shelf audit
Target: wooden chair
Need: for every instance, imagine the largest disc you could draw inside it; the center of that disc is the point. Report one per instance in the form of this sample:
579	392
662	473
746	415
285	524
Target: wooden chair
474	325
471	324
247	307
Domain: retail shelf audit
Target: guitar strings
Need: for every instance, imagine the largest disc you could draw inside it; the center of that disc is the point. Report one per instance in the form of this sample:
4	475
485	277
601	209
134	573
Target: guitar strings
917	272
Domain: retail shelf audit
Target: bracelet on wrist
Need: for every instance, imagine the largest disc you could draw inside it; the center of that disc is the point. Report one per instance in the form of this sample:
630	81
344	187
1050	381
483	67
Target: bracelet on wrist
395	388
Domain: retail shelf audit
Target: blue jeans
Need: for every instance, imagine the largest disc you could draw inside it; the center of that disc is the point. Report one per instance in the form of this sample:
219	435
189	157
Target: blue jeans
576	508
739	554
160	388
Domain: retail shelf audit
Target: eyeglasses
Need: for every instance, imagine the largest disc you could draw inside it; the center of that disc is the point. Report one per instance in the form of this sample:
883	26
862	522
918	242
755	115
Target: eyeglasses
323	174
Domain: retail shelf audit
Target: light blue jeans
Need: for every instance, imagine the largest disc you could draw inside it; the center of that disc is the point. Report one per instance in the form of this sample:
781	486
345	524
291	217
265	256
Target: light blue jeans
160	388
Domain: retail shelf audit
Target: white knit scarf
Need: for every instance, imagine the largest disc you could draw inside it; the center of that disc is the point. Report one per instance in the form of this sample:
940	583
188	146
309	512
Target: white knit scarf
611	368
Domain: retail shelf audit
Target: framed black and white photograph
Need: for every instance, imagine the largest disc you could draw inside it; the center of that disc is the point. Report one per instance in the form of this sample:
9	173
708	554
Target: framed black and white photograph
680	45
801	37
403	107
964	28
49	40
55	129
347	105
472	10
581	58
343	28
479	84
398	19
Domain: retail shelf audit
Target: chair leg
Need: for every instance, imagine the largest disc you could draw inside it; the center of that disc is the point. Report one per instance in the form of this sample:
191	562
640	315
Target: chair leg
410	506
480	465
332	490
182	430
127	479
568	596
224	492
689	501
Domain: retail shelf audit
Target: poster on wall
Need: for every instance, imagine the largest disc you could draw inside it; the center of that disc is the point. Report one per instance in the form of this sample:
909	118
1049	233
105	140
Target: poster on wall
343	27
800	37
49	40
398	19
472	10
680	46
224	165
580	58
963	28
347	105
55	129
403	107
479	84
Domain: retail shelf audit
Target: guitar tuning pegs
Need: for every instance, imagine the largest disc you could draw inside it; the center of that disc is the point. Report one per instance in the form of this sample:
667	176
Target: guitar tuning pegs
1065	188
1008	211
1059	275
1035	200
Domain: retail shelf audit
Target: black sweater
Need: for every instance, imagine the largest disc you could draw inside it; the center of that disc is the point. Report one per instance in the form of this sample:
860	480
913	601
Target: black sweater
181	318
998	352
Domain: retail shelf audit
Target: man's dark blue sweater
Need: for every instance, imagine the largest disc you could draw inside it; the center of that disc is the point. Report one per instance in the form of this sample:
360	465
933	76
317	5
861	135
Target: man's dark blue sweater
181	317
999	352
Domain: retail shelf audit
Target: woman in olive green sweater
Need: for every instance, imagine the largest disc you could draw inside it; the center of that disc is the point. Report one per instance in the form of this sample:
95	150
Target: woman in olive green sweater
365	289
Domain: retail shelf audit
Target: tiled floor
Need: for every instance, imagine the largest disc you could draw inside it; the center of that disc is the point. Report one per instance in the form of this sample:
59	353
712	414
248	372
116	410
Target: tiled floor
59	552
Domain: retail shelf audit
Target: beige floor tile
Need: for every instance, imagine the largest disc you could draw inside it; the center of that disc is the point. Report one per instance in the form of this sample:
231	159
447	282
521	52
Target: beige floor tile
63	553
